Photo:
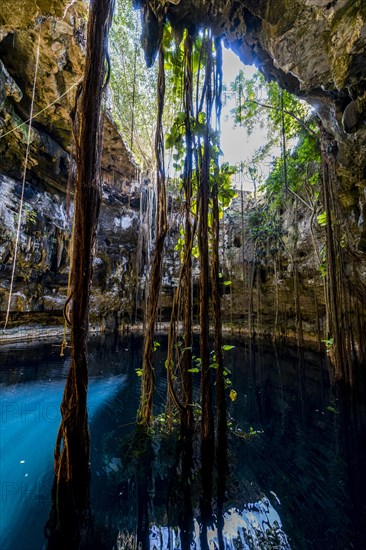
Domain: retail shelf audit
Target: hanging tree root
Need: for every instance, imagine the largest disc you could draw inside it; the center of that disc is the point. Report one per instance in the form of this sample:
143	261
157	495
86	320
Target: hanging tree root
69	516
148	376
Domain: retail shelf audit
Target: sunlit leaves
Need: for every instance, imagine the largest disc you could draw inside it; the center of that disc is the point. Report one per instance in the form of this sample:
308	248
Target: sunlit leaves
227	347
259	103
133	86
322	219
263	104
233	395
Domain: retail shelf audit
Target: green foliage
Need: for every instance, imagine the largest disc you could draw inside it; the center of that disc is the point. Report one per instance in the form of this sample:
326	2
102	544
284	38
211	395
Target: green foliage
322	219
243	433
304	153
265	230
264	104
220	175
260	103
197	362
323	262
30	215
329	342
133	85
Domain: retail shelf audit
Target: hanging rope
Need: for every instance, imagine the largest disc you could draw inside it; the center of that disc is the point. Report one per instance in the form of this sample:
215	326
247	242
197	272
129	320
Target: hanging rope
23	179
42	111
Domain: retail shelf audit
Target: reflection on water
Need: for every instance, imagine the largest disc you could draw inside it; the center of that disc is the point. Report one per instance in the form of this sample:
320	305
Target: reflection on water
257	526
32	383
299	481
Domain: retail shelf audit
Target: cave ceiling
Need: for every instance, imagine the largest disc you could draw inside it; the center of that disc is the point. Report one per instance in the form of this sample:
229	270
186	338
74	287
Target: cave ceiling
314	48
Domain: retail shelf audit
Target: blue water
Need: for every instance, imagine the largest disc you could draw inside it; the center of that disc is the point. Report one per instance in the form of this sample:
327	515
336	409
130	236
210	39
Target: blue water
31	393
298	481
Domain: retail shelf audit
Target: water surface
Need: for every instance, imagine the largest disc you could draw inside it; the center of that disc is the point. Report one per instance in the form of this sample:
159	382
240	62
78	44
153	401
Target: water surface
298	481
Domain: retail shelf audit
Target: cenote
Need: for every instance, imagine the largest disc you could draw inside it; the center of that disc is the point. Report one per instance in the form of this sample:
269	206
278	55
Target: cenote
183	274
295	474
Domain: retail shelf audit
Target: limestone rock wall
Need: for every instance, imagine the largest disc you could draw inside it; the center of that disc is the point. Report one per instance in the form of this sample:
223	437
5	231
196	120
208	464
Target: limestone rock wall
42	267
261	297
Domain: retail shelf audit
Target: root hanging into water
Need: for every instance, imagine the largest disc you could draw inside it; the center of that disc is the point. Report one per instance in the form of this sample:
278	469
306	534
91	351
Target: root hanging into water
148	376
69	521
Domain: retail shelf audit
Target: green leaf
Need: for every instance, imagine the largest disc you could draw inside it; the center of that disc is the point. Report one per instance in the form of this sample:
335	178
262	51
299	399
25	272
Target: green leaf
201	117
194	369
323	269
328	342
227	347
233	395
195	252
332	409
322	219
228	283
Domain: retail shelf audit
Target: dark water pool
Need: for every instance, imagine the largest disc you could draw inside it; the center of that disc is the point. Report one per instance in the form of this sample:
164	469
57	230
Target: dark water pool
298	481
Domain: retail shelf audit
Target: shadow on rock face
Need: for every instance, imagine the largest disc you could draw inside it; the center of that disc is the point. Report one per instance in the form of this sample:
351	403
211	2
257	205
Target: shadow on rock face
354	115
